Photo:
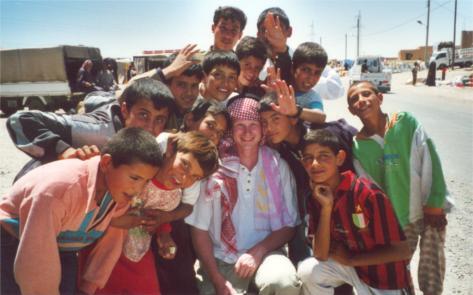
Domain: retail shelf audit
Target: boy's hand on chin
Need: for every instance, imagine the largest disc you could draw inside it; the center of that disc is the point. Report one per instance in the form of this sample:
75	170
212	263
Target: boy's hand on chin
323	194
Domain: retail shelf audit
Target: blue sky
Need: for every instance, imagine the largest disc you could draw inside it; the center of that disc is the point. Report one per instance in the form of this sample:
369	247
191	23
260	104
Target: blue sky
126	28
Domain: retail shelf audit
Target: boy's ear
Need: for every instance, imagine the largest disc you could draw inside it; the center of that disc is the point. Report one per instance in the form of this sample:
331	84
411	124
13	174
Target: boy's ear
105	162
289	32
350	109
380	98
213	28
341	155
124	110
189	121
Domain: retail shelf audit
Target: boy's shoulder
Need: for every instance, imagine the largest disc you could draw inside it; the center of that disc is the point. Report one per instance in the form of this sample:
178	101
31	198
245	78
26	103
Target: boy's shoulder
361	188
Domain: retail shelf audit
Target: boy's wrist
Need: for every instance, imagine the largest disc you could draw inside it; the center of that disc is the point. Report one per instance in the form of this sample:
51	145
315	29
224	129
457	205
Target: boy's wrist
298	112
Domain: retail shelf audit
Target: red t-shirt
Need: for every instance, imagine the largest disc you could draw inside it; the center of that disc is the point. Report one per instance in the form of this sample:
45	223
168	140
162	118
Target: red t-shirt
362	220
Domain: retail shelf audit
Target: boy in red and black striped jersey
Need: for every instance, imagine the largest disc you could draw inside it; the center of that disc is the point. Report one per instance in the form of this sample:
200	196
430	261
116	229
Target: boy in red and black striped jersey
357	238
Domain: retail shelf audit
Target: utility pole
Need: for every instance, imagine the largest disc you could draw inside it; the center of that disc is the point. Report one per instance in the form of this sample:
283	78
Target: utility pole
427	34
454	34
346	47
312	32
358	34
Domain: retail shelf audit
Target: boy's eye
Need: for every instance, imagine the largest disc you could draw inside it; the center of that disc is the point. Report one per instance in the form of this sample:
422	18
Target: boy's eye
160	121
353	99
307	70
217	76
210	125
307	159
366	93
143	115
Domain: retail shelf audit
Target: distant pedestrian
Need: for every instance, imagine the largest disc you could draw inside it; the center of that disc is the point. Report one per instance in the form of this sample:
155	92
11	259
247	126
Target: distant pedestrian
85	78
415	69
444	72
430	81
131	72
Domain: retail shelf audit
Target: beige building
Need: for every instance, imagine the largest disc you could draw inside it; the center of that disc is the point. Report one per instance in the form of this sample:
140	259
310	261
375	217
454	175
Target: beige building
467	39
415	54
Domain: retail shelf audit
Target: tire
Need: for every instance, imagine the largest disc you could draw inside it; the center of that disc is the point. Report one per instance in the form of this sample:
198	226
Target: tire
6	109
34	103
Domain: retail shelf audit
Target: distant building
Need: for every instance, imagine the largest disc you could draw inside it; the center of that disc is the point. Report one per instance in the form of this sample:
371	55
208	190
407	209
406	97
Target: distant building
467	39
415	54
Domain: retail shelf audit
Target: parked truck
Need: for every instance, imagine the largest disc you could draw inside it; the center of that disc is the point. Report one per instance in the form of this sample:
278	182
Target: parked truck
444	57
371	68
43	78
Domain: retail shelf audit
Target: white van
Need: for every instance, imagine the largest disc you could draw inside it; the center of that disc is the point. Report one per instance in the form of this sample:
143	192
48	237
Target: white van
371	68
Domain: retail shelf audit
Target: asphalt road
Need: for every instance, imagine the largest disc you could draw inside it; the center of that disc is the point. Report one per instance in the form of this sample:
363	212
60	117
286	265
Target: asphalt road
447	114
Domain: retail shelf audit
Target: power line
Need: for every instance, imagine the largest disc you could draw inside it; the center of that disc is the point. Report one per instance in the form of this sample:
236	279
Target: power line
406	22
458	12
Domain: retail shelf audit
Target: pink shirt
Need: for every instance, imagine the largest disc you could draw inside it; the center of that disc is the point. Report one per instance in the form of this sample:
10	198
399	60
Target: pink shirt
54	207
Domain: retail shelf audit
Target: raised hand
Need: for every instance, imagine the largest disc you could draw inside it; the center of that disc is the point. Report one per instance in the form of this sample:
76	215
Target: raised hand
274	33
182	61
286	99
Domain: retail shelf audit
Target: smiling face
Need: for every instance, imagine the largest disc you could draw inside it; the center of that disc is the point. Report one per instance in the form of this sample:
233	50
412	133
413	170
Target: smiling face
306	77
250	69
276	127
321	164
127	180
213	127
226	32
220	82
247	134
144	115
180	171
185	90
363	101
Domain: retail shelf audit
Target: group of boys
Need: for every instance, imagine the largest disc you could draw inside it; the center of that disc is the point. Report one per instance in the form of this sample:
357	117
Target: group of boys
259	198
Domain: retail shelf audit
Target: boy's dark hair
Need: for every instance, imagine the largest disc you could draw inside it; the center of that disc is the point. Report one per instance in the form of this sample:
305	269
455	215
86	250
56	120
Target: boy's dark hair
276	12
147	88
203	107
266	101
131	145
251	46
231	13
204	151
309	52
322	137
193	70
372	86
216	58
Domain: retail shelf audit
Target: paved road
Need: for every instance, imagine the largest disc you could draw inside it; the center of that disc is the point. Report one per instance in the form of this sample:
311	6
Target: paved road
447	114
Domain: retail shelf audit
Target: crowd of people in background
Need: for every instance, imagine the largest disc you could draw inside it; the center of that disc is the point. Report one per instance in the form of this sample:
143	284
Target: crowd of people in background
229	161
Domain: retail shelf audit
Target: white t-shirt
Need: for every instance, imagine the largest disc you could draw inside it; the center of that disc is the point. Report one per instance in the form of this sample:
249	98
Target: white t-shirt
207	213
190	194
